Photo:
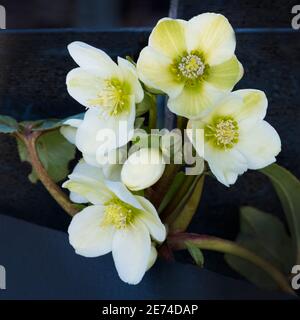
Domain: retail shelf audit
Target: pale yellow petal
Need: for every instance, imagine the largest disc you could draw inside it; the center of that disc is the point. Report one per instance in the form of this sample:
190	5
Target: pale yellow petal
168	37
154	70
254	107
225	75
212	35
195	102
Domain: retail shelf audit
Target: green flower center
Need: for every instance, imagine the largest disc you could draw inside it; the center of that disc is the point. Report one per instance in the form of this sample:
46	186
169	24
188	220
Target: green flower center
118	213
190	67
223	132
112	97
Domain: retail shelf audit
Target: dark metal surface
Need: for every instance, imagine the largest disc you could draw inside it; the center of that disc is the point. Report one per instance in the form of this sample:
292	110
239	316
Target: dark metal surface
40	264
245	13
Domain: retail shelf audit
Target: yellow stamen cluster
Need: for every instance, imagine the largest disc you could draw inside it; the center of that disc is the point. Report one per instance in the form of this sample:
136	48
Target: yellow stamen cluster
223	132
189	68
118	213
112	97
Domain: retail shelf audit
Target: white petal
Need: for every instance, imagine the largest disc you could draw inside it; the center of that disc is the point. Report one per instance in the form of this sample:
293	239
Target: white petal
152	258
151	219
229	105
130	76
77	198
246	106
89	57
84	169
123	193
73	122
226	165
154	69
195	102
115	131
143	169
254	107
168	37
131	251
86	234
98	133
212	35
69	133
84	85
112	162
224	76
95	191
112	171
260	145
90	159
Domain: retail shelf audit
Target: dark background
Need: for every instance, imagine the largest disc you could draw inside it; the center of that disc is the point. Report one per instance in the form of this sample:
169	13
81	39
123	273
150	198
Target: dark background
34	63
83	13
141	13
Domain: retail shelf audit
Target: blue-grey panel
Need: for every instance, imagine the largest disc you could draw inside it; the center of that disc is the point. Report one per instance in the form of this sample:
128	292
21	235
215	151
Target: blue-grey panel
40	264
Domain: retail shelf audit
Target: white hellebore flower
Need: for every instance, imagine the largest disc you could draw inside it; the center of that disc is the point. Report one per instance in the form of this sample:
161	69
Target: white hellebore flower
193	62
117	222
143	168
110	163
110	92
236	137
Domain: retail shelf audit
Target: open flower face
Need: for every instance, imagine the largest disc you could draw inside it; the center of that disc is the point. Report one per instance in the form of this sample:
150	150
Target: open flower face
109	91
236	137
117	222
191	61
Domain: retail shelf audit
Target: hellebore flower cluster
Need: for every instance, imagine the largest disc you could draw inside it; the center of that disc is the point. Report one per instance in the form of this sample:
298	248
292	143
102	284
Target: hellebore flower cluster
194	64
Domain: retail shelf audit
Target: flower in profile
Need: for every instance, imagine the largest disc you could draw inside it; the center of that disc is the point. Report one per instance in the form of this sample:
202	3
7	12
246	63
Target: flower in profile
143	168
109	164
109	91
117	222
193	62
235	136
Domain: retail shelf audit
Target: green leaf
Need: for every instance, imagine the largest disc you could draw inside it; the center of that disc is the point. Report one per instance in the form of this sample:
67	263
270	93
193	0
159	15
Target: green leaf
51	124
265	235
175	186
138	122
8	124
24	157
287	187
55	153
189	209
196	253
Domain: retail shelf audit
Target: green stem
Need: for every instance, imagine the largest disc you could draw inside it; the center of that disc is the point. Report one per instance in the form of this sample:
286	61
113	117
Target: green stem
61	198
178	242
157	192
189	207
172	206
153	113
